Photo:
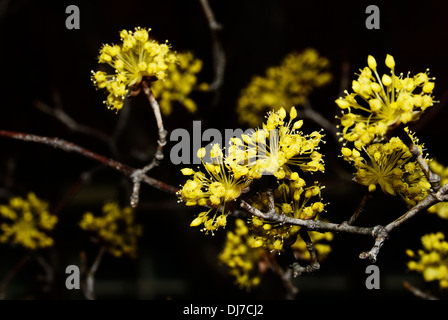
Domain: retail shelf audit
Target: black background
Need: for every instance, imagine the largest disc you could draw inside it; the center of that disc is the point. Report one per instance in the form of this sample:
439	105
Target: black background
39	57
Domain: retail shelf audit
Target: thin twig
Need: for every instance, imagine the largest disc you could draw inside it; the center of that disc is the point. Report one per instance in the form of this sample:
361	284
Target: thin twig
84	178
138	175
314	263
380	233
345	77
385	231
361	207
219	56
71	147
89	280
49	272
284	275
433	178
316	117
419	293
311	225
72	124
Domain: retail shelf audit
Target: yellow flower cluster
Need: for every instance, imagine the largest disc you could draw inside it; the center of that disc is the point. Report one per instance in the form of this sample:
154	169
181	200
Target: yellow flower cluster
136	58
277	146
321	245
267	151
179	83
222	183
115	228
288	84
432	260
440	208
241	257
391	166
379	104
28	222
292	199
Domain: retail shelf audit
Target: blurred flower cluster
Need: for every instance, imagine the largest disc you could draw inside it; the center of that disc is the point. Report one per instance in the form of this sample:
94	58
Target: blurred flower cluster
28	222
432	260
180	81
115	229
286	85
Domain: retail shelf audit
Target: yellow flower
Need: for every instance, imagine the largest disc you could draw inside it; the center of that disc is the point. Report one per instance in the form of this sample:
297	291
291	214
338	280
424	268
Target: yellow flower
115	228
288	84
136	58
292	199
179	83
241	257
379	104
222	183
389	165
279	145
29	222
432	261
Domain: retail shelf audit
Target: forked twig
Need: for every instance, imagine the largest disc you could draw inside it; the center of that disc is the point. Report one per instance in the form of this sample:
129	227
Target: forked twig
88	283
138	175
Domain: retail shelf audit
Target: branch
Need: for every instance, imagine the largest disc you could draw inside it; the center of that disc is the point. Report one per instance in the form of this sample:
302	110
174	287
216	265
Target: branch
418	293
58	113
384	232
360	209
48	278
138	175
84	178
316	117
64	118
436	194
89	281
314	264
310	225
380	233
219	56
433	178
284	275
71	147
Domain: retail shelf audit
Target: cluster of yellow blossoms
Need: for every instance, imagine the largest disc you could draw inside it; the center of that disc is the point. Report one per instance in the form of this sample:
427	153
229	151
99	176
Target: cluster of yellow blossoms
136	58
432	260
380	104
278	145
440	208
247	261
271	150
240	256
218	186
321	243
288	84
29	221
383	104
115	229
391	166
292	199
179	83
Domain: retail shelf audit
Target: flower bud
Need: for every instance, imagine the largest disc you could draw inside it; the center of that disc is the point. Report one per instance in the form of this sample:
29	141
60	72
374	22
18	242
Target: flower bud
390	62
371	62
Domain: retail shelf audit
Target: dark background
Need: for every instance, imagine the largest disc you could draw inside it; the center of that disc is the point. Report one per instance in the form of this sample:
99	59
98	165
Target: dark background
41	59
